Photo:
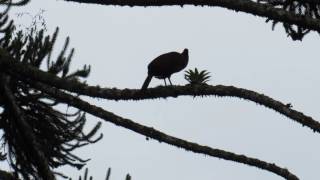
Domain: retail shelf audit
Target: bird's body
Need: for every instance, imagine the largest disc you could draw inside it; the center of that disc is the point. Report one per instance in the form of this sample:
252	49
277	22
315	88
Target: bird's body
165	65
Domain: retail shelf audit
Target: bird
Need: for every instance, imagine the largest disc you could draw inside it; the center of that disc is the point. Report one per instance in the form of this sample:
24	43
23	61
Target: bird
165	65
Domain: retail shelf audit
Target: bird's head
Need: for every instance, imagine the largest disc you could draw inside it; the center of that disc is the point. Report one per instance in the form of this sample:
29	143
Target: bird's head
185	57
185	52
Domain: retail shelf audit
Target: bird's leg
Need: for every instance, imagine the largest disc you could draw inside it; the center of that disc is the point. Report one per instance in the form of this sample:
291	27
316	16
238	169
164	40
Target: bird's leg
170	81
165	83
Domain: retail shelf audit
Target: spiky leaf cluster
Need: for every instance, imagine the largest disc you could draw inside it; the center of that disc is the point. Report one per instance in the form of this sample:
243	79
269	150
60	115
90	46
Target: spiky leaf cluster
58	133
308	8
194	77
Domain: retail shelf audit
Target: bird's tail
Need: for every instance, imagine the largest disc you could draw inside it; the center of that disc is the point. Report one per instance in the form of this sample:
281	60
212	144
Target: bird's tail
146	82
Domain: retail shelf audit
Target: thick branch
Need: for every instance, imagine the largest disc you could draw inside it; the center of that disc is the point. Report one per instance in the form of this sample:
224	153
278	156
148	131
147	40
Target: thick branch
24	70
160	136
246	6
24	128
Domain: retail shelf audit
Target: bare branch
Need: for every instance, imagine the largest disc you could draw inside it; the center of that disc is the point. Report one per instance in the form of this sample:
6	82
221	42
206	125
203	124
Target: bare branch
160	136
246	6
17	69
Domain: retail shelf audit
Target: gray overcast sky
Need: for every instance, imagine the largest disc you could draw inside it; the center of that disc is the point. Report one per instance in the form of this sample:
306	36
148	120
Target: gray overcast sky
238	49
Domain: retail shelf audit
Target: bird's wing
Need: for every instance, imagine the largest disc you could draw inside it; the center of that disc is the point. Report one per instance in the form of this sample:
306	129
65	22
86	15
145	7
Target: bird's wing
164	64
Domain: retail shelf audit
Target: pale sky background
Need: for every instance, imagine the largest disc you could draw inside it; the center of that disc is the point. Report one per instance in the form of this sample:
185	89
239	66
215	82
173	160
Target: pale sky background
238	49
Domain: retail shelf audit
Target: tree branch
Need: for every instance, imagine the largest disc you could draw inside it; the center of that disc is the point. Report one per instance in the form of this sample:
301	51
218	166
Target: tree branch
25	129
246	6
17	69
158	135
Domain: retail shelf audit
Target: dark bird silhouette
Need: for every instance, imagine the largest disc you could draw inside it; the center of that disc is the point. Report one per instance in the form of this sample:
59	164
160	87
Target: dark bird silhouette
165	65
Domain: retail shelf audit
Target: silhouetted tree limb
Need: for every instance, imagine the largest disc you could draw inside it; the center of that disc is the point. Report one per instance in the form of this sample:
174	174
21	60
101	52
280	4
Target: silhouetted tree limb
158	135
17	69
247	6
14	3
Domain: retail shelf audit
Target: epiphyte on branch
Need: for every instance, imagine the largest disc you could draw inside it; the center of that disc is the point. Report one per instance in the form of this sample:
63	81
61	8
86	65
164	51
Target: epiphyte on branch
197	77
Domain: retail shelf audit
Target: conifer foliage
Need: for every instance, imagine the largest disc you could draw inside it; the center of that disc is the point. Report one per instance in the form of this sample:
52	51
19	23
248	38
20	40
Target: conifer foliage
306	8
37	135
